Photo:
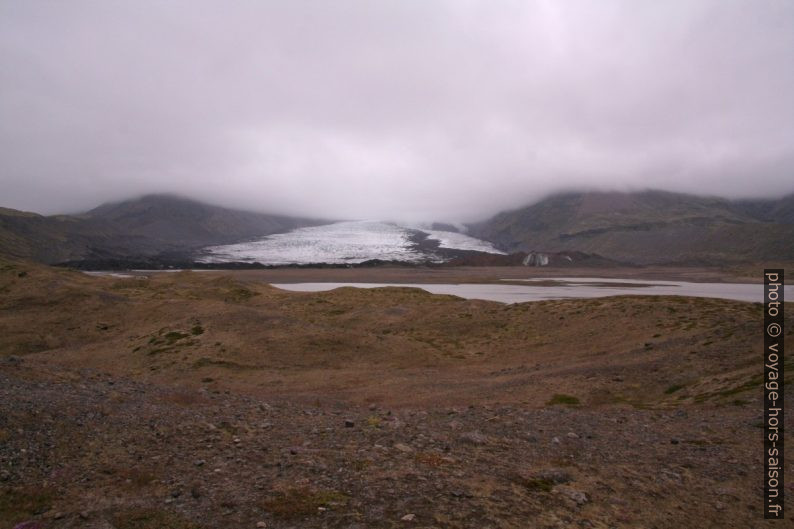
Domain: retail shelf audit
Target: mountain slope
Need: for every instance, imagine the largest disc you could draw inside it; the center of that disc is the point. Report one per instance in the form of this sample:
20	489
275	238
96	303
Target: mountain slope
647	227
26	235
167	221
146	226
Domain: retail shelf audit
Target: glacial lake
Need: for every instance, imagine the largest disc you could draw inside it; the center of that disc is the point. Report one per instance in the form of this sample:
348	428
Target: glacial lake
566	287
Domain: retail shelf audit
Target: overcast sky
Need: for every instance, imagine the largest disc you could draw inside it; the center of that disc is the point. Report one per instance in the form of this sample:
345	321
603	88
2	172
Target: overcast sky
420	109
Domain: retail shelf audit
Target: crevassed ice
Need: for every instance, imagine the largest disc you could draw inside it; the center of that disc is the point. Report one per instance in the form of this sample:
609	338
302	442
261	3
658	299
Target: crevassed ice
339	243
459	241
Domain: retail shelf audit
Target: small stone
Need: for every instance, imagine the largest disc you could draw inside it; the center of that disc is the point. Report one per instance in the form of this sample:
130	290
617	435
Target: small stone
573	435
555	475
475	438
408	517
199	462
349	423
577	496
261	525
675	476
236	439
555	440
29	525
403	447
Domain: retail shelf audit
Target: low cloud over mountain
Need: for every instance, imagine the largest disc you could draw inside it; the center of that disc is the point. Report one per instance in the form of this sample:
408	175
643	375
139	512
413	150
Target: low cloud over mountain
413	110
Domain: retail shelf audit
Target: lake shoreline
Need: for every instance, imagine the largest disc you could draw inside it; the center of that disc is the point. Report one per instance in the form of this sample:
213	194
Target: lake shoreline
486	274
559	288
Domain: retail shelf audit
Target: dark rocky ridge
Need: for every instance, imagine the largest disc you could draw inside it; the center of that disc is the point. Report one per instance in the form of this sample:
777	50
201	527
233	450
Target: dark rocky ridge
651	227
435	256
590	229
161	228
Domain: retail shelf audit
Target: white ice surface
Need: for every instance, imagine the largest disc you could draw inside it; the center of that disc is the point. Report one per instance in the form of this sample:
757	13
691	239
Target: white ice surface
340	243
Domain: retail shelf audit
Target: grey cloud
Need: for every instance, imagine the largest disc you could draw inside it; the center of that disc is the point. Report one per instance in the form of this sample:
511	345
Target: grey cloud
398	109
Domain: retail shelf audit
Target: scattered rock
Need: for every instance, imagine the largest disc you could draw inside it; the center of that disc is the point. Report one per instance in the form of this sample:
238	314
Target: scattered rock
573	435
349	423
408	517
261	525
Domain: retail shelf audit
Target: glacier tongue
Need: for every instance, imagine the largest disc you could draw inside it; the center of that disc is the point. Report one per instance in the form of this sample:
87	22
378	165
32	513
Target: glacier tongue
340	243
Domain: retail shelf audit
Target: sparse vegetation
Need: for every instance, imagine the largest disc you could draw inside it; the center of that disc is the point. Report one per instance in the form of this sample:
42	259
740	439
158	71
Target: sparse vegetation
539	484
20	503
173	336
302	501
560	398
151	519
280	411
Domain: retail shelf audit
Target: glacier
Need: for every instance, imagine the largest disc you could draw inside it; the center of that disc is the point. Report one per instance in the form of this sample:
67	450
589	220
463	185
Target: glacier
347	242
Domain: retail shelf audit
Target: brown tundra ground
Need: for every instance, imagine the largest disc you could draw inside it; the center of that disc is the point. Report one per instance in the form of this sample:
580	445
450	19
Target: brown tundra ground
212	400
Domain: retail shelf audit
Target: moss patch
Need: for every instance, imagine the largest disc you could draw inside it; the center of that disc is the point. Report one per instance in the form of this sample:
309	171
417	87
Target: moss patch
560	398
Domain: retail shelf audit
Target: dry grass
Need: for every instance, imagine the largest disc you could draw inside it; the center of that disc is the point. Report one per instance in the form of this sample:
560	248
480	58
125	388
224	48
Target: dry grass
390	345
